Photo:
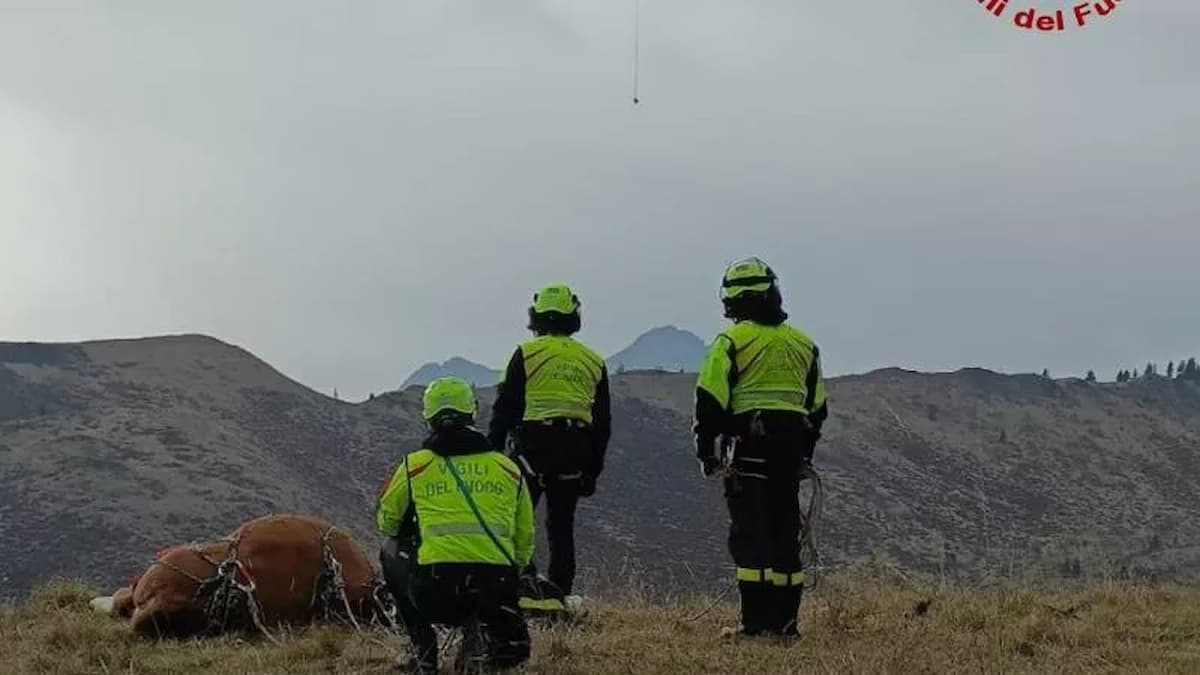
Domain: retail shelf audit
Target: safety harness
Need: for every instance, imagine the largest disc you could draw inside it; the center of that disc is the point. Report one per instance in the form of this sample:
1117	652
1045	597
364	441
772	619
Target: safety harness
727	457
810	559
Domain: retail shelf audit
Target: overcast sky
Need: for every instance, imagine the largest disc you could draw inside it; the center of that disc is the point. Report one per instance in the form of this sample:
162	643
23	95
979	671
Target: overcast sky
349	189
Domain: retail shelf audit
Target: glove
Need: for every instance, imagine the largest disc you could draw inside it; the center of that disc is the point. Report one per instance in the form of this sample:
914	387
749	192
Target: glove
709	466
587	485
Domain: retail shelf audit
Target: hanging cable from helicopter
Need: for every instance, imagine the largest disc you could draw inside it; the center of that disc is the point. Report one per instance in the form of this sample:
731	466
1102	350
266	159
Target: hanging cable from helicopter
637	27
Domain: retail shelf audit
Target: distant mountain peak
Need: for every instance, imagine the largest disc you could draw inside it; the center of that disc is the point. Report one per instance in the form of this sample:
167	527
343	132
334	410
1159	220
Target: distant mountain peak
666	331
455	366
662	348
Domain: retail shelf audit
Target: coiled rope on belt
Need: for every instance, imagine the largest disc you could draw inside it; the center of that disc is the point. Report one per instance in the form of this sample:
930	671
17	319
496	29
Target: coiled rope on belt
810	554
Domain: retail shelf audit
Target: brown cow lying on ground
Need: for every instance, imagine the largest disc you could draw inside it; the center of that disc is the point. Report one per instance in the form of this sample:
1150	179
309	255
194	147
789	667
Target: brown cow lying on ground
272	571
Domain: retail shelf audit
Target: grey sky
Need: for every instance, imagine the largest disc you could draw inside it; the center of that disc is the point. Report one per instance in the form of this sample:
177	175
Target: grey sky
349	189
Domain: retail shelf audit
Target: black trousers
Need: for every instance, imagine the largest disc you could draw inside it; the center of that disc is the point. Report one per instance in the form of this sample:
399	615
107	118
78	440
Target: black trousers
556	459
562	496
765	521
479	598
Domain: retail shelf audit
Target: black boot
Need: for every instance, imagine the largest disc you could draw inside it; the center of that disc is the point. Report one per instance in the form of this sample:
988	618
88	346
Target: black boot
756	611
787	607
473	651
422	639
422	659
482	651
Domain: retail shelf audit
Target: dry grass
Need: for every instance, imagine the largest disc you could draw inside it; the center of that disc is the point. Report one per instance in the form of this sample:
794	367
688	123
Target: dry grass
852	624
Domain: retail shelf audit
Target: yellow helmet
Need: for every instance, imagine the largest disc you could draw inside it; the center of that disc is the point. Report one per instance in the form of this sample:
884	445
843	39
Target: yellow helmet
448	394
555	298
555	310
748	275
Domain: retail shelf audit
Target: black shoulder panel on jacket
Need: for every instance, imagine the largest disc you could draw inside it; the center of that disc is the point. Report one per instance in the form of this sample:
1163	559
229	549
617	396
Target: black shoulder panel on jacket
509	407
601	422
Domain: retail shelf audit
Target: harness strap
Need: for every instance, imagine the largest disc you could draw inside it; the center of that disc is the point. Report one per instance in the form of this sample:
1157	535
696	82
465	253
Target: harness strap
177	569
224	594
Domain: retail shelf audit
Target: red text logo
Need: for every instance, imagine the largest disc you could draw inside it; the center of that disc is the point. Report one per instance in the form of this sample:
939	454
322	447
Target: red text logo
1080	15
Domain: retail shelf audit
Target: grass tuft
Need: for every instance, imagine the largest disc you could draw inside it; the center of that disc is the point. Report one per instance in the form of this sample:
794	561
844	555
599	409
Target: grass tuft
68	594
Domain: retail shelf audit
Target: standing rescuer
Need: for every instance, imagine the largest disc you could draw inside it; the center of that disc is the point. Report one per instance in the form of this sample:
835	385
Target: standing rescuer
459	522
760	397
553	399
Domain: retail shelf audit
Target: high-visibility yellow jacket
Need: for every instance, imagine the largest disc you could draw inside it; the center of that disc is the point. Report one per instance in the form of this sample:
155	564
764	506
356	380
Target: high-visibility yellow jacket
424	487
753	366
554	377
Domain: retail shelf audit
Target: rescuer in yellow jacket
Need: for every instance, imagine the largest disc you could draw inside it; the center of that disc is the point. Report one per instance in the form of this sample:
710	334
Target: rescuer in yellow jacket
760	405
553	402
459	522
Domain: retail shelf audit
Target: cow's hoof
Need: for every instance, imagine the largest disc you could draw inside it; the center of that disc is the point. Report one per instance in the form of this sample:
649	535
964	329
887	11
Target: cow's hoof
102	604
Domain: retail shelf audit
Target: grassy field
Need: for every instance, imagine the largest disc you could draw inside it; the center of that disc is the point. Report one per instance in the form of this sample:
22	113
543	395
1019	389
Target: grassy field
851	624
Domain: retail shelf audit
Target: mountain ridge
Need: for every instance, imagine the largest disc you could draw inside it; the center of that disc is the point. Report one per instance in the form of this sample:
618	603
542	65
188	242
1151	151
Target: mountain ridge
163	441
